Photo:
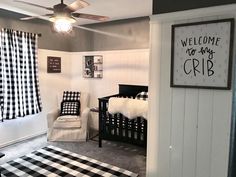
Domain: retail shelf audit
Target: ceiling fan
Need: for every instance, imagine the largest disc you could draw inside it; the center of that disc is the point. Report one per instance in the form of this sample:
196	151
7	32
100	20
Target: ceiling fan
63	15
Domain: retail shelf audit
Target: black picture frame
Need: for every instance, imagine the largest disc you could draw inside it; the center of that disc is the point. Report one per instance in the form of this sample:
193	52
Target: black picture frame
93	66
53	64
204	26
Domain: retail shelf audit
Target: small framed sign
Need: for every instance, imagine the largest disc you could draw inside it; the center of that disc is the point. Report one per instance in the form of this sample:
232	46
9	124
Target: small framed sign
201	54
53	64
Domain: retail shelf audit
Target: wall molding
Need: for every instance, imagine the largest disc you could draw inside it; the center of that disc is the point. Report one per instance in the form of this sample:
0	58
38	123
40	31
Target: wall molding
22	139
111	51
154	101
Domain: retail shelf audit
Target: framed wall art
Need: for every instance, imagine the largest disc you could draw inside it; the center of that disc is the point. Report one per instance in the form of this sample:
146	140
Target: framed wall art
201	54
92	66
53	64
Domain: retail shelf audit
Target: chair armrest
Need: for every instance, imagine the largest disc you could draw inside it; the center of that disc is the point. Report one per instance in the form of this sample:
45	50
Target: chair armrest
52	116
84	118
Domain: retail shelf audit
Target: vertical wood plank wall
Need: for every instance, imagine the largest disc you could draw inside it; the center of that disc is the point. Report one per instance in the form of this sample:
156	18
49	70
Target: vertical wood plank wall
194	124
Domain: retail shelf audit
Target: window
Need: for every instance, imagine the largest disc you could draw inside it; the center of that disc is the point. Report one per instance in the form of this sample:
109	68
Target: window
19	86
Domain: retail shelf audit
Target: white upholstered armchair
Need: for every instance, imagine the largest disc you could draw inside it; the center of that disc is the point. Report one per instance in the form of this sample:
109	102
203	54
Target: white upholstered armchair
72	128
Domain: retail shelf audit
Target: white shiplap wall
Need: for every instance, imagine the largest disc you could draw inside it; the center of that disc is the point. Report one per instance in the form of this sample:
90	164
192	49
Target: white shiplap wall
119	67
193	125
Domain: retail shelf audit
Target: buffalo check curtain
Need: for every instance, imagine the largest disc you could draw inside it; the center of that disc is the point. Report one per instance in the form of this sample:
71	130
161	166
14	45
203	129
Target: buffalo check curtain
19	86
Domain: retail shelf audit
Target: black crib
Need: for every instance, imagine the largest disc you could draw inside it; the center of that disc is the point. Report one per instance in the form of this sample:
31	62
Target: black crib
118	127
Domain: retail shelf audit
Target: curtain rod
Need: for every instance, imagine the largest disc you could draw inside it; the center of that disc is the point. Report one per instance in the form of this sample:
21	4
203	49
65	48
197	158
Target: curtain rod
38	34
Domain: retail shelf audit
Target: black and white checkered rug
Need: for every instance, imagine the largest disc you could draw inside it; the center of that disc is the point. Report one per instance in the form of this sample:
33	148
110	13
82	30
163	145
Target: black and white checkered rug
52	161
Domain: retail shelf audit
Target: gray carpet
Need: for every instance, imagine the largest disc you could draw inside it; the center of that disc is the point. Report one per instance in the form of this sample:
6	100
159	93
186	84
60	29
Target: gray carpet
123	155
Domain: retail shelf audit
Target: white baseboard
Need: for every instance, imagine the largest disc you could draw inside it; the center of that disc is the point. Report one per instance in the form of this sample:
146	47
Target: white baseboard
22	139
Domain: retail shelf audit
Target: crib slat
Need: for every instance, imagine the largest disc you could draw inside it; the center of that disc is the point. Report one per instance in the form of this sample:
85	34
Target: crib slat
115	125
139	129
145	132
109	126
101	115
120	125
126	129
132	129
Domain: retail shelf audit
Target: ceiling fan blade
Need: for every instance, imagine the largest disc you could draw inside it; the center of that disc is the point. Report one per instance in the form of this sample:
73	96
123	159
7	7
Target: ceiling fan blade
90	16
116	35
78	4
36	5
34	17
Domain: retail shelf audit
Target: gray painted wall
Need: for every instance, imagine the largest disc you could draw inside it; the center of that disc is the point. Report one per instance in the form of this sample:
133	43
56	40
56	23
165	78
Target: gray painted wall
134	35
83	40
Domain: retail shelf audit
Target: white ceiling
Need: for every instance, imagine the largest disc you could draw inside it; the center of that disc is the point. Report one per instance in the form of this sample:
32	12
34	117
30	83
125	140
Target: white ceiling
115	9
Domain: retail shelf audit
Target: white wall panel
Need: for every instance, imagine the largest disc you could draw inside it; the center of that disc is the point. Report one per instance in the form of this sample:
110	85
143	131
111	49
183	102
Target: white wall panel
194	122
177	132
154	106
204	133
165	111
190	132
220	133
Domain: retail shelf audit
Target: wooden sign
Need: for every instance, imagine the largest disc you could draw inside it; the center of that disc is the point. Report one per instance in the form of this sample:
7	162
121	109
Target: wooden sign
54	64
201	55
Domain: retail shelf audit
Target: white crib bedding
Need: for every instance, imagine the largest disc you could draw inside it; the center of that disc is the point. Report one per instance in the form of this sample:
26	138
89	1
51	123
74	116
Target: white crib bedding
130	108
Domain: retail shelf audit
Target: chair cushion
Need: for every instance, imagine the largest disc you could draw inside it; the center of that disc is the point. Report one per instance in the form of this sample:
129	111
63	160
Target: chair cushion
142	96
65	122
70	108
68	118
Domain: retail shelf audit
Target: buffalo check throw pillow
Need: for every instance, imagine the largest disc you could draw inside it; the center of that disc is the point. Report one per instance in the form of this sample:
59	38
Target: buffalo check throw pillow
71	96
142	96
70	104
70	108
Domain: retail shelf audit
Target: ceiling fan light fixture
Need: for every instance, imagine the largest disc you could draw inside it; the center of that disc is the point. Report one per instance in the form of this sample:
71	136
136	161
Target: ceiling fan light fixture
62	24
